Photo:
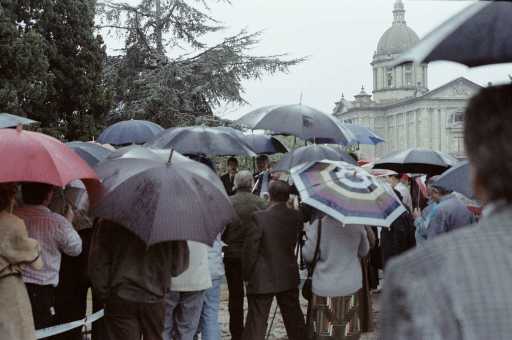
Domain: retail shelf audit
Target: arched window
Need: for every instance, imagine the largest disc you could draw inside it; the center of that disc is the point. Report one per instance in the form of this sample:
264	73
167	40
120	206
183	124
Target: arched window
389	76
456	118
408	75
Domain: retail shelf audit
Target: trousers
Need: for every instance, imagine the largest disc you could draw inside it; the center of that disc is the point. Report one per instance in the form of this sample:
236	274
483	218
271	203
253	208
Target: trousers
259	309
233	268
127	320
182	314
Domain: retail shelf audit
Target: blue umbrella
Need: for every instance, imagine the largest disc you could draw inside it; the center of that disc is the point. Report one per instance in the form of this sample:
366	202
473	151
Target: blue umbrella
130	132
201	140
265	144
90	152
362	135
8	120
311	153
479	35
457	179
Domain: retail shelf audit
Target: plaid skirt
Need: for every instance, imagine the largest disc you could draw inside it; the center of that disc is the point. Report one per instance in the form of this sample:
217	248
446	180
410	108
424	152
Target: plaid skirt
335	318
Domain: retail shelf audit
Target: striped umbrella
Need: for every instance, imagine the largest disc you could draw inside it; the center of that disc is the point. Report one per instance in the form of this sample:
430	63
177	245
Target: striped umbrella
346	193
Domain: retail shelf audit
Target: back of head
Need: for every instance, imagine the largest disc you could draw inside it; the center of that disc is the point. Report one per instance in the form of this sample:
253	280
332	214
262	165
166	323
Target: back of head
244	180
35	193
487	135
279	191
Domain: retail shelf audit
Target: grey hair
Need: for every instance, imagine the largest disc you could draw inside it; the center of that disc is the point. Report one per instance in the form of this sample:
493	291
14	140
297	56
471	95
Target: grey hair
244	180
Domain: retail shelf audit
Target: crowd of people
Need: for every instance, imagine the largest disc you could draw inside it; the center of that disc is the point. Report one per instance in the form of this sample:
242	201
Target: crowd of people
452	283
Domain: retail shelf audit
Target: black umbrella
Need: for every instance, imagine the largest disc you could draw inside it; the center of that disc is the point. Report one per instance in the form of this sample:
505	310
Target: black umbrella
201	140
265	144
8	120
310	153
419	161
478	35
161	202
298	120
129	132
92	153
457	179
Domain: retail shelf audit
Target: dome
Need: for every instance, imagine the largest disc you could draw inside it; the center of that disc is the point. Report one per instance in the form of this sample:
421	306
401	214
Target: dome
399	37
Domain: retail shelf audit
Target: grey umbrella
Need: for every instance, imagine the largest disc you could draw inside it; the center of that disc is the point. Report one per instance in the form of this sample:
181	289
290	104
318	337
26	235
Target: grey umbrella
161	202
8	120
457	179
418	161
478	35
92	153
163	155
201	140
298	120
131	131
265	144
310	153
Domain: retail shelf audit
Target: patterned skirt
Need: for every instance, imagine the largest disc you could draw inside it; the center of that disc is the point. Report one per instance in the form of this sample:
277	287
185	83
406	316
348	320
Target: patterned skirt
335	317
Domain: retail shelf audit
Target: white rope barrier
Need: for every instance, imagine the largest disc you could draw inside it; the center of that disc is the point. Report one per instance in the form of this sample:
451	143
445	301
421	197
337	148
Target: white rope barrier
54	330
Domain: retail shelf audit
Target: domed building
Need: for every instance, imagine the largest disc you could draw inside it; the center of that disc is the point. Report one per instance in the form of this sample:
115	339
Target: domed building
401	108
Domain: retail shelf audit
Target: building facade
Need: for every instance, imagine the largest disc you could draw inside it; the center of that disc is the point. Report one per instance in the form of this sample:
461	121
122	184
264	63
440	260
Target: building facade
401	108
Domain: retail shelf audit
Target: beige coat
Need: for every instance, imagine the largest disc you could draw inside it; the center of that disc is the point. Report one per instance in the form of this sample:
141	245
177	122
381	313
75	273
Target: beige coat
16	249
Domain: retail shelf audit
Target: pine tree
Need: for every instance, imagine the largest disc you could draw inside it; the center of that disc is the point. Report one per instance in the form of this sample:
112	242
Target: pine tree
149	84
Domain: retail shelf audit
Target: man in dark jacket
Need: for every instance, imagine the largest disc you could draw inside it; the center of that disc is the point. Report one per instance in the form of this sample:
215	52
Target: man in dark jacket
228	179
132	280
270	266
245	204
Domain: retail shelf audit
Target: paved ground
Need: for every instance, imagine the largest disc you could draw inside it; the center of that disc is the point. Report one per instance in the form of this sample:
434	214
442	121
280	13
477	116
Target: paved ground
278	331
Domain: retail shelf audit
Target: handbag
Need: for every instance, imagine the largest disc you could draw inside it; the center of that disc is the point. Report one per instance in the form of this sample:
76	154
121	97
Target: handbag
307	288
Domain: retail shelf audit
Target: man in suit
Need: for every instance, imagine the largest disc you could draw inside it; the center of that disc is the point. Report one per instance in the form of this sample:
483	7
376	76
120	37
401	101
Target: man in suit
245	204
270	266
457	286
228	179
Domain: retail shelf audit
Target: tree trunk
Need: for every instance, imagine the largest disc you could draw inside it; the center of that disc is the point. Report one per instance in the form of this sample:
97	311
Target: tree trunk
158	28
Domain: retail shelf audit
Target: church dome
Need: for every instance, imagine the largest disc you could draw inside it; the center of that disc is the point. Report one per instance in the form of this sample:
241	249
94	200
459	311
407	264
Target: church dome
399	37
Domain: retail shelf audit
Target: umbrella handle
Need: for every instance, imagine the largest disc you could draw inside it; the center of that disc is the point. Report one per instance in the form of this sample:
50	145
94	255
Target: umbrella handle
170	157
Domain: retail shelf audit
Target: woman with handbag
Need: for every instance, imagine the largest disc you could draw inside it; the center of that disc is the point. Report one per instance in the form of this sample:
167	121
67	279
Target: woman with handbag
334	250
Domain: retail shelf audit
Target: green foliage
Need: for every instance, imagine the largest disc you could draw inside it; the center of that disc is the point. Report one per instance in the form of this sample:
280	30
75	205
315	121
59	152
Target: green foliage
150	85
58	66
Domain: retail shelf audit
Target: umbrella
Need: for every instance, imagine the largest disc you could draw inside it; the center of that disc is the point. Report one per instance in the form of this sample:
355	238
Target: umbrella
8	120
309	153
163	155
362	135
163	201
129	132
478	35
264	144
346	193
35	157
92	153
457	179
201	140
417	161
298	120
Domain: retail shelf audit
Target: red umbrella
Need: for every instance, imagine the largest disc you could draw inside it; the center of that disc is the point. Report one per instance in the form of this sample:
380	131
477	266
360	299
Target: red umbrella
35	157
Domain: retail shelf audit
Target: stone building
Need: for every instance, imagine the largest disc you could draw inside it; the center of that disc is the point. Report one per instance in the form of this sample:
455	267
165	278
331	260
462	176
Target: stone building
402	109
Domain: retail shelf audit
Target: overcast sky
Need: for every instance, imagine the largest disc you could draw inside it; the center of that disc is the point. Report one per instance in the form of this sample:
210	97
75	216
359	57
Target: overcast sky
339	37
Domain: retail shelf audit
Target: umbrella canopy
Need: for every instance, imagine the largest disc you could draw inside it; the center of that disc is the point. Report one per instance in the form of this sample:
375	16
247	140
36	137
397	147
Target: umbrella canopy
163	201
346	193
130	132
362	135
8	120
265	144
457	179
201	140
36	157
298	120
309	153
478	35
92	153
417	161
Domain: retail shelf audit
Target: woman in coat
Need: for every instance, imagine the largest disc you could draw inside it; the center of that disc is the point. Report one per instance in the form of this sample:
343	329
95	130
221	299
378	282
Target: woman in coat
16	250
337	276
